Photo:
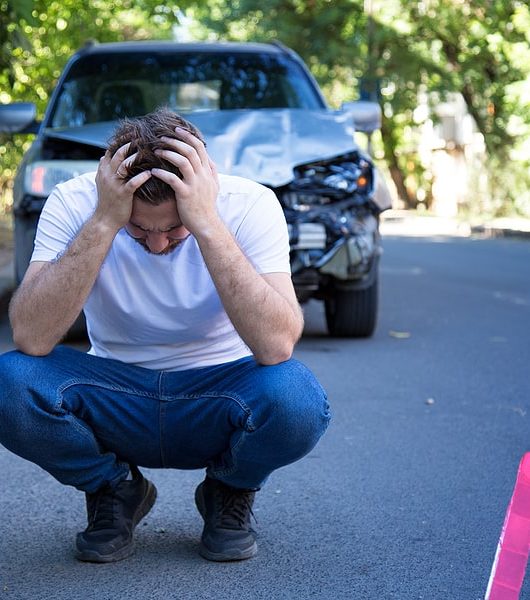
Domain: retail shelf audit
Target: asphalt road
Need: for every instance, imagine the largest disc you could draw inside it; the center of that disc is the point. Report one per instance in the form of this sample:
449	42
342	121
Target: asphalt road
405	496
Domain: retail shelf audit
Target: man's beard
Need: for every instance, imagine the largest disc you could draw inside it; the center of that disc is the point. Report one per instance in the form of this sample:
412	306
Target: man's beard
173	245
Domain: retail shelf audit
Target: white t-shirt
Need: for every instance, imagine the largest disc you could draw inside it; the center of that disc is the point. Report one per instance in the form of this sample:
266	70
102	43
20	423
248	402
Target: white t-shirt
163	311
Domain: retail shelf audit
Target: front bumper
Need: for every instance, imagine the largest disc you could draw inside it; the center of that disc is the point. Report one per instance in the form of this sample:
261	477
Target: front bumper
320	260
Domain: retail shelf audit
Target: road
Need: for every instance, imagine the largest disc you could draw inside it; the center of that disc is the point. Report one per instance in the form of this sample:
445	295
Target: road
405	496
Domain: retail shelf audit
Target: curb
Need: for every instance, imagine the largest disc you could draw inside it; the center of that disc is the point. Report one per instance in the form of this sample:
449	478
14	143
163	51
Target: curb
500	232
403	222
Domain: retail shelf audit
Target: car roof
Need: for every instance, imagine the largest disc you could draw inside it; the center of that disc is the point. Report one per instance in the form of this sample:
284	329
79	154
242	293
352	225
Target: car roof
184	47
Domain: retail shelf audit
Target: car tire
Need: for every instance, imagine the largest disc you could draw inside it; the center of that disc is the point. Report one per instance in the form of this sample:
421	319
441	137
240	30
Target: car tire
23	241
78	332
353	313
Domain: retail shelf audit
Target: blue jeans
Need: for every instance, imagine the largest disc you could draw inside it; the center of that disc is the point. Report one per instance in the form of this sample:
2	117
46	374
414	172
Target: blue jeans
84	419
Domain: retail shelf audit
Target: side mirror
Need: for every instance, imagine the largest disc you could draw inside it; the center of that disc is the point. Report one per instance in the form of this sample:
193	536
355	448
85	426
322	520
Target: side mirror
18	117
366	115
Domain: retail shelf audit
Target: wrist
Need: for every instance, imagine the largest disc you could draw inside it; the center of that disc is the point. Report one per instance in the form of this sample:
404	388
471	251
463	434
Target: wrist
104	225
209	231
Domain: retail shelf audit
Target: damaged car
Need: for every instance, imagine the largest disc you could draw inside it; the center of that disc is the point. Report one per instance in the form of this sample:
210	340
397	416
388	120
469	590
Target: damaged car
263	117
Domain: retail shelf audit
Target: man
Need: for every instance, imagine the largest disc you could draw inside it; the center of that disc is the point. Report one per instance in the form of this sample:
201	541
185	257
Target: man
184	279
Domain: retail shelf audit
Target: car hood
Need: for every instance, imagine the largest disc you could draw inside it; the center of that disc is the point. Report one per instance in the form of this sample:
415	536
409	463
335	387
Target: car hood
264	145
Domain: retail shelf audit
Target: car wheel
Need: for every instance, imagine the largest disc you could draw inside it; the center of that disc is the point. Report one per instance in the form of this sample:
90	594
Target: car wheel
24	235
352	313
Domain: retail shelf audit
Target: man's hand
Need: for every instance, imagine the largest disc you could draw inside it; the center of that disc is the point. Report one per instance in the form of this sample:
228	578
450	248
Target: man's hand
196	192
115	194
263	309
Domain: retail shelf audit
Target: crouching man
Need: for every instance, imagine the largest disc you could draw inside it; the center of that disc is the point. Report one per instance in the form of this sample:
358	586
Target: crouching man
184	278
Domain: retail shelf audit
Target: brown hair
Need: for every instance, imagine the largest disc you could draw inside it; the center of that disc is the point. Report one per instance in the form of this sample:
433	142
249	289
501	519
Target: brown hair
144	133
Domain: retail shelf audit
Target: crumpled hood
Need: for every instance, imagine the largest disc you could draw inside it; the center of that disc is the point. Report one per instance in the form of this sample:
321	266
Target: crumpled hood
264	145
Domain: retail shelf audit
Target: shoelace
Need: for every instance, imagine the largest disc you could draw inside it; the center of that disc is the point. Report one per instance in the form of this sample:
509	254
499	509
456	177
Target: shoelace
235	509
103	509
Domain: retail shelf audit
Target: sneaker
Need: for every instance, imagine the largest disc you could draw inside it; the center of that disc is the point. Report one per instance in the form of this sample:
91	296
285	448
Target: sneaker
226	511
113	513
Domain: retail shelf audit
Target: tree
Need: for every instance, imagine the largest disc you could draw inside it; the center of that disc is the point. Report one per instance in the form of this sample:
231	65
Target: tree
478	48
484	47
37	37
12	16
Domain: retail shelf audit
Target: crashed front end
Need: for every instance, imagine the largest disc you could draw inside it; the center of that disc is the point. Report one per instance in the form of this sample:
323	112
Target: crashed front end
329	189
333	222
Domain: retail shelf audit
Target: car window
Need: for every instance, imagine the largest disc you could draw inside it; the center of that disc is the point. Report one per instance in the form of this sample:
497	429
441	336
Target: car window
105	87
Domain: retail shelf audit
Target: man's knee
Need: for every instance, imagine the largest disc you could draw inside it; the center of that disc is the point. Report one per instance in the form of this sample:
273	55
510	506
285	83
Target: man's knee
295	404
15	371
23	371
21	377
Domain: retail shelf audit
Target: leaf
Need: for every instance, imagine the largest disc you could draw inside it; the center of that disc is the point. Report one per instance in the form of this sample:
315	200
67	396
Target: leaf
400	335
23	9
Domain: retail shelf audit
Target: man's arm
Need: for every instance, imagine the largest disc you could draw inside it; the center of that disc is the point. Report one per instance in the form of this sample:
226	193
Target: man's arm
262	308
52	294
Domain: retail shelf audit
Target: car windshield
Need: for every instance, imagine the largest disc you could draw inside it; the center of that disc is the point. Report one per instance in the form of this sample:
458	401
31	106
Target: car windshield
105	87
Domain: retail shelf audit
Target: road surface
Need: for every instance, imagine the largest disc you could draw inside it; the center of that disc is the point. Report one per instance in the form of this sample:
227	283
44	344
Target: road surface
404	498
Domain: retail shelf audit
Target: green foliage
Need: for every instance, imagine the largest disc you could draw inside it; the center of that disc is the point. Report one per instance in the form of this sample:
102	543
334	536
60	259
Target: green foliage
426	48
329	35
429	48
37	37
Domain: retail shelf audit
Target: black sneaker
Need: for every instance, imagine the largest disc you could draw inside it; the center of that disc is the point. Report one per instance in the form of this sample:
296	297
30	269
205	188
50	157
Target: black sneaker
112	516
226	511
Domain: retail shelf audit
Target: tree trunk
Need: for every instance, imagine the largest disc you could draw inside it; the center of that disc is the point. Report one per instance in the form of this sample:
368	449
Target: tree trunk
398	177
399	181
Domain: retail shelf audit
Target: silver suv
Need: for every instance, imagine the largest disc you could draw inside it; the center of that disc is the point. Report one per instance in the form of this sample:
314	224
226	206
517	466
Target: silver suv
263	117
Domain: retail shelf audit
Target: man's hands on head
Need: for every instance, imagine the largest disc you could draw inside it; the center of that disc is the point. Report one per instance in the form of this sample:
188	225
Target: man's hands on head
115	194
263	309
196	192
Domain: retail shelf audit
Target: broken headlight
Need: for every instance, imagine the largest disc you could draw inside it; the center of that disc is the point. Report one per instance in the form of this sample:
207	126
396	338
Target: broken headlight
325	182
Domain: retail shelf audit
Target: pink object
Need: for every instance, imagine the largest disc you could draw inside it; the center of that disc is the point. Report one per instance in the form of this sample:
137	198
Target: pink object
509	566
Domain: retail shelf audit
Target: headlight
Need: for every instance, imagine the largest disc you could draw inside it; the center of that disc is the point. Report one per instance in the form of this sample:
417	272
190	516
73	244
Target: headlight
42	176
328	181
